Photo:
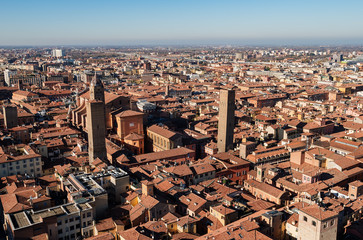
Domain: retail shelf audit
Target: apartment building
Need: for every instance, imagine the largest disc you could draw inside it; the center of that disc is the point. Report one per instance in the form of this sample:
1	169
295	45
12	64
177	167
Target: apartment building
223	214
163	139
97	188
316	223
20	159
64	222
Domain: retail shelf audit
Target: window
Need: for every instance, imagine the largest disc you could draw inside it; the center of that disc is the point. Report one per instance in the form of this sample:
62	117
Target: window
332	222
71	228
89	214
60	231
71	220
314	223
305	219
59	223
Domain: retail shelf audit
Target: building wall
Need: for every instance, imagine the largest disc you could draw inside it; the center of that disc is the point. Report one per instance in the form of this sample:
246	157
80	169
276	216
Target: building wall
31	166
136	146
203	177
236	174
96	130
121	185
261	194
245	149
87	222
100	205
21	135
224	219
10	116
127	125
189	228
67	226
308	231
292	230
226	120
160	143
355	192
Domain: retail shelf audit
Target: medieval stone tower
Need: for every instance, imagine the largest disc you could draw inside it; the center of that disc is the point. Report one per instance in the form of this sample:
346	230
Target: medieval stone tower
226	120
96	121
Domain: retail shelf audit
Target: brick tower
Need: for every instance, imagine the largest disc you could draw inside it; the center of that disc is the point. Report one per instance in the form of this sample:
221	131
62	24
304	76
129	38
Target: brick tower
226	120
96	121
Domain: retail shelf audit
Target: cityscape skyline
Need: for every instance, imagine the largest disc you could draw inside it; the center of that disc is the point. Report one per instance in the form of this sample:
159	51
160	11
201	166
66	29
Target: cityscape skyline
183	23
181	120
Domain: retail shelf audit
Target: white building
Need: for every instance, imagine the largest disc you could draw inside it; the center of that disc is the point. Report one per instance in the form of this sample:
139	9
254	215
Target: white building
7	76
68	221
57	53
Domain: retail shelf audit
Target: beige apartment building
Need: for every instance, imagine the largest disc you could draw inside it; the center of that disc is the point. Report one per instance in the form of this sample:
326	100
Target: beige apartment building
68	221
163	139
316	223
20	159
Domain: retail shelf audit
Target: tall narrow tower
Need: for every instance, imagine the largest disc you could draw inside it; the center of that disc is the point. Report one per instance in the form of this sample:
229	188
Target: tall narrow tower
10	116
96	121
226	120
97	91
167	89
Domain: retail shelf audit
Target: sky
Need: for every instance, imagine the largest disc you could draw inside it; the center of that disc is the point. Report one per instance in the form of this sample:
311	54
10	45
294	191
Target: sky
183	22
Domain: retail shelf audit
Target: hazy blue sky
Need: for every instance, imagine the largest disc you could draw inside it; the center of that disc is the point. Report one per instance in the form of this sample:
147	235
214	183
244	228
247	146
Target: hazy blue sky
118	22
